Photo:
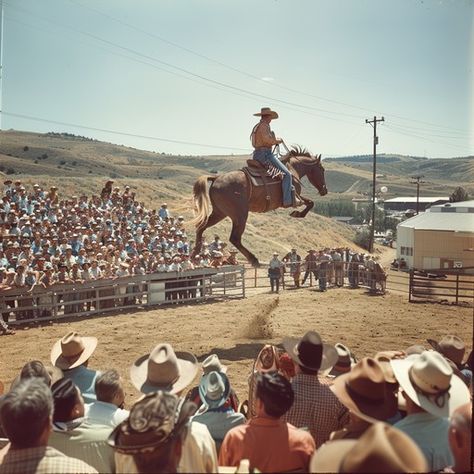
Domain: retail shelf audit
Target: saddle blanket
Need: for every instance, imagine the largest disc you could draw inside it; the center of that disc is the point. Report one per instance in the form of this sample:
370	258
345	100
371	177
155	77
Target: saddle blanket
261	176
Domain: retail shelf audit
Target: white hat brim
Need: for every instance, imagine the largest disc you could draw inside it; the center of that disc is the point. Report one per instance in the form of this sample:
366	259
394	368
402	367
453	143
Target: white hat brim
458	392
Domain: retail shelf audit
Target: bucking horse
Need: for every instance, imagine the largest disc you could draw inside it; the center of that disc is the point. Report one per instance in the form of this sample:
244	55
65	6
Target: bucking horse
236	193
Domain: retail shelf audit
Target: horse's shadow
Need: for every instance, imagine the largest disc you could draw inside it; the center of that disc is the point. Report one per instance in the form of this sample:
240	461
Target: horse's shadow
238	352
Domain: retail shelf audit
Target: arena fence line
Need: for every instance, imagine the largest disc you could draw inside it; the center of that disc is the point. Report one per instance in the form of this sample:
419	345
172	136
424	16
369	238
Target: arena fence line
123	293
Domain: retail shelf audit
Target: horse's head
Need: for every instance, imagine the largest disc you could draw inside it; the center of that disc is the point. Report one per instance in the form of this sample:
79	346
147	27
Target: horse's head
315	174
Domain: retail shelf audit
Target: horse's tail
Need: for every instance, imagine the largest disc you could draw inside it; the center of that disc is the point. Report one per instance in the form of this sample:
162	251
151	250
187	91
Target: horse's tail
202	201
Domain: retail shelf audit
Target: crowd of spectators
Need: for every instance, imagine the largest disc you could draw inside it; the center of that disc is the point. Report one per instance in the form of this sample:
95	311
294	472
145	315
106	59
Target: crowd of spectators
48	239
334	267
311	407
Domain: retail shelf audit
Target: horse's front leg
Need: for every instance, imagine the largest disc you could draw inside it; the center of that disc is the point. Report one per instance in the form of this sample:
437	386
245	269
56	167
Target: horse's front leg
308	206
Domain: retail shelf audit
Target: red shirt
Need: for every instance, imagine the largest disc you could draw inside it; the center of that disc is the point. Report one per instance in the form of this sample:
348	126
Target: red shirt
271	445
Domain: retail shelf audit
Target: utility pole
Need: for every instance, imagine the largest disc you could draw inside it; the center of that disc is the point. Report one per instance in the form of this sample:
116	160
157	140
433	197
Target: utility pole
1	61
373	122
417	181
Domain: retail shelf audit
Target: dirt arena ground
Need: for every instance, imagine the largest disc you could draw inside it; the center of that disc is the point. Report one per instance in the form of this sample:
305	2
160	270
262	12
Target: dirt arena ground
364	323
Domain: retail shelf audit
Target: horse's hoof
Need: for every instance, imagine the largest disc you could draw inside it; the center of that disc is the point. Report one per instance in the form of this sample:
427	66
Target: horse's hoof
295	214
255	263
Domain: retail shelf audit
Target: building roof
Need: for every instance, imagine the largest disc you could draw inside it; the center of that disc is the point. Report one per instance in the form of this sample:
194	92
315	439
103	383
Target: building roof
449	221
412	199
463	206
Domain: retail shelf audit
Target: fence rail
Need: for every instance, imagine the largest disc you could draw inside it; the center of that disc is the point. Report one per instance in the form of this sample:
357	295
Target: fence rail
100	296
454	285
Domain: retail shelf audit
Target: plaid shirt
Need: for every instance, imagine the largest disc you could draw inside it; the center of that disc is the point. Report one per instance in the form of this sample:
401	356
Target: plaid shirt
316	408
41	460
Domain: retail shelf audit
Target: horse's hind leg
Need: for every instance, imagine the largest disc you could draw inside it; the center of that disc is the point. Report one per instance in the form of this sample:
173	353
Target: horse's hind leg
238	227
214	218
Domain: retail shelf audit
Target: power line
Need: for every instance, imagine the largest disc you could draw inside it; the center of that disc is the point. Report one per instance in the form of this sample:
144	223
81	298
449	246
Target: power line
125	134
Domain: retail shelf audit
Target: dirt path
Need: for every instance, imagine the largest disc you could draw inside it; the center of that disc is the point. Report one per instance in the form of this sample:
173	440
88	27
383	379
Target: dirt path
365	324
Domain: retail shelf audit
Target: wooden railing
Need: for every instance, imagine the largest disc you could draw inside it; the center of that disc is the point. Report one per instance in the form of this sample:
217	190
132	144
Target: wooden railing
101	296
453	285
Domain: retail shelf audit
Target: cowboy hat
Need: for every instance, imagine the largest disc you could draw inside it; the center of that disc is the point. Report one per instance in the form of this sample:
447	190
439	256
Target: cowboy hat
72	350
345	360
212	363
452	347
310	352
365	392
382	448
163	369
266	111
428	380
214	389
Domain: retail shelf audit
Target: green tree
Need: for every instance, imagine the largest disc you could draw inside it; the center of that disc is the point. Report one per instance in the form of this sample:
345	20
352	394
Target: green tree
459	195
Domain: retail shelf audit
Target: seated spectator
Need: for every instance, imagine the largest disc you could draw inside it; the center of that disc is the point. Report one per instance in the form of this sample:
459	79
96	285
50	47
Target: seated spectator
316	407
345	361
71	354
268	442
35	368
381	448
26	413
210	364
153	435
365	392
460	439
214	390
432	392
75	436
108	409
165	370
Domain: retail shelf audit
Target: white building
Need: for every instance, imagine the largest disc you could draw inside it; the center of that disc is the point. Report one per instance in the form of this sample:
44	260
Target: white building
441	237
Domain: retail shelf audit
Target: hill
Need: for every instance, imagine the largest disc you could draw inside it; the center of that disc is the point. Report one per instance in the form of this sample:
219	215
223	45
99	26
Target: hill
81	165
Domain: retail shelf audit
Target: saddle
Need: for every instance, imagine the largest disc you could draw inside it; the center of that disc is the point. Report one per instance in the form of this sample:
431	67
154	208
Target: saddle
258	175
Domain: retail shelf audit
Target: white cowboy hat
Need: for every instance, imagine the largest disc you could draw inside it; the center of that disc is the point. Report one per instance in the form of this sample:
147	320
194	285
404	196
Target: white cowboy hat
212	363
266	111
428	380
214	389
72	351
163	369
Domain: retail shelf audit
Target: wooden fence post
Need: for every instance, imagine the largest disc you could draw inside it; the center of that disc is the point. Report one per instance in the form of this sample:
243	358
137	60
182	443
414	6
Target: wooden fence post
457	288
410	285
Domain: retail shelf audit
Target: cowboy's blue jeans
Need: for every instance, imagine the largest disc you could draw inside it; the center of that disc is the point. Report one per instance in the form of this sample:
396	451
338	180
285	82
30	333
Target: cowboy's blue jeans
265	156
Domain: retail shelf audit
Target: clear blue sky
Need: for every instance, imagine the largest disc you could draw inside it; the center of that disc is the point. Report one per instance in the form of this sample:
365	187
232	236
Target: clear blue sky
196	70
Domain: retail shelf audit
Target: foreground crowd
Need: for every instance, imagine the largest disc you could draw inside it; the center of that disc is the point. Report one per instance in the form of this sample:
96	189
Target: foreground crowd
311	407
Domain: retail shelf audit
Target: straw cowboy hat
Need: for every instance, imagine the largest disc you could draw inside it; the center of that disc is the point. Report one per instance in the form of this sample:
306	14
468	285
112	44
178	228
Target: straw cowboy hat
310	352
214	389
267	359
266	111
345	360
451	347
164	369
428	380
213	364
382	448
365	392
72	350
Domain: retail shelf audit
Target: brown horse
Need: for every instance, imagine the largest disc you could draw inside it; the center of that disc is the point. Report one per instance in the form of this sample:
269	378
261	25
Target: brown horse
232	195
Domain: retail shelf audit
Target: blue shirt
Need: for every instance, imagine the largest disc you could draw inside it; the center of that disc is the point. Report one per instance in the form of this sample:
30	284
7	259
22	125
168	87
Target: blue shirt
84	378
430	433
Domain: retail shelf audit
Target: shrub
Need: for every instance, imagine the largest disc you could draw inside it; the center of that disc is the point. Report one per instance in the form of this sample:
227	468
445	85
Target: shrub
362	238
10	171
36	162
62	162
26	148
44	156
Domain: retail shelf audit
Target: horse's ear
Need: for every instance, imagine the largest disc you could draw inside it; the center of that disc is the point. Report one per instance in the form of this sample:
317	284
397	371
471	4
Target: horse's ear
318	158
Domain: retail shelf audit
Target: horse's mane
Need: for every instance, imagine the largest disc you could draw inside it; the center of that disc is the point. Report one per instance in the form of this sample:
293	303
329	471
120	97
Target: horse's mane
297	150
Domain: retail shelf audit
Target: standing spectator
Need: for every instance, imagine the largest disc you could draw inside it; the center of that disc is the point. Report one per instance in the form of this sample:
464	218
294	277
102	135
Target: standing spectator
338	267
274	272
294	260
432	392
324	260
153	437
71	354
268	442
108	409
164	212
25	415
315	407
311	266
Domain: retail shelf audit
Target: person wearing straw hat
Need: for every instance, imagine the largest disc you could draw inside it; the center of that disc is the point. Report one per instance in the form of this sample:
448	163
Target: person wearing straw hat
432	393
367	395
71	354
315	407
275	267
153	437
267	441
214	390
263	139
381	448
169	371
